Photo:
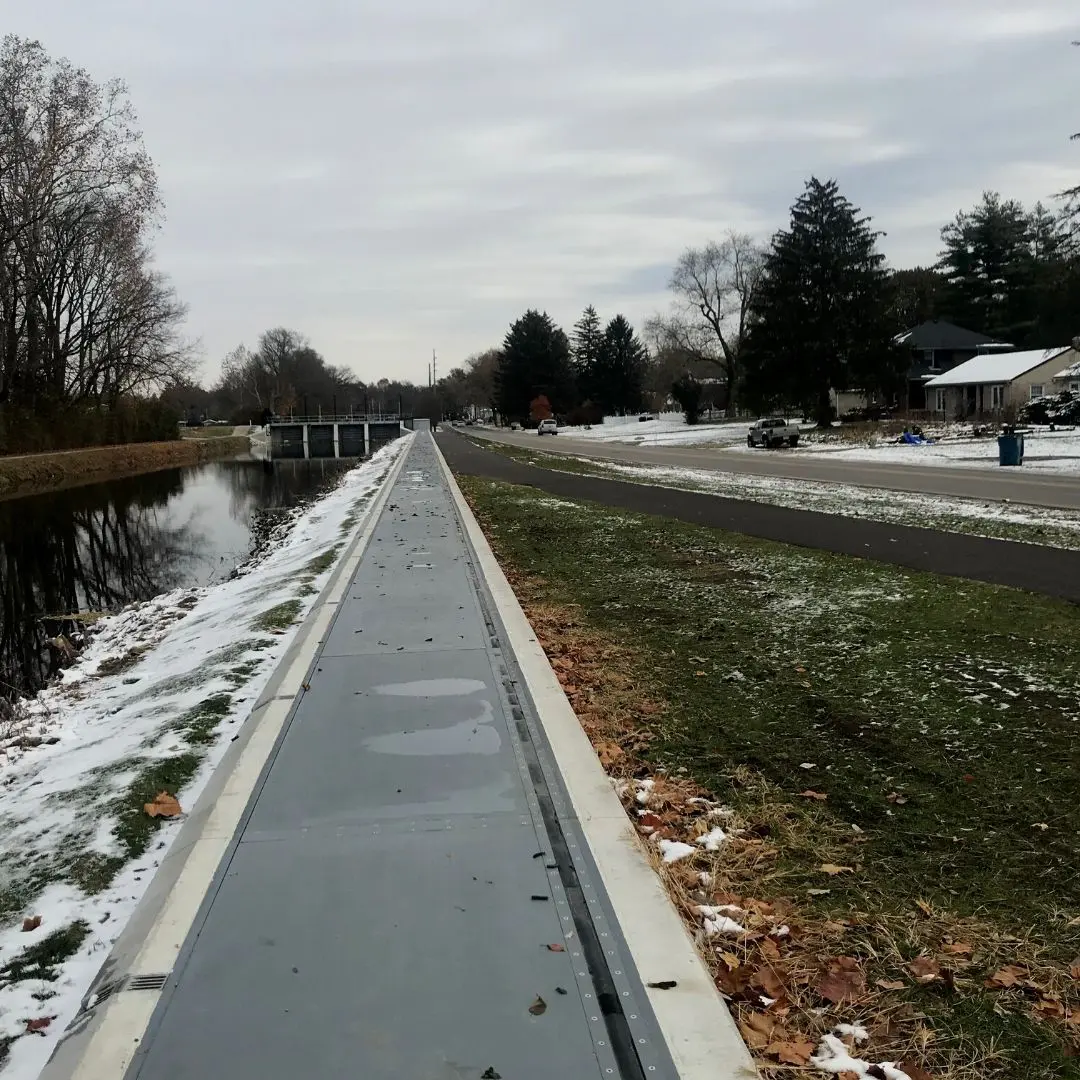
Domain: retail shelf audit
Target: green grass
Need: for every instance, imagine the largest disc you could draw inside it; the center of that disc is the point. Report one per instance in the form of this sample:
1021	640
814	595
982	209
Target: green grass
961	697
811	495
279	617
321	563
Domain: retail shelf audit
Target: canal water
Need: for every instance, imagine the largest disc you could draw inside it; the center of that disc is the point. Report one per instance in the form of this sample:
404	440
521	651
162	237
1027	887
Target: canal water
99	547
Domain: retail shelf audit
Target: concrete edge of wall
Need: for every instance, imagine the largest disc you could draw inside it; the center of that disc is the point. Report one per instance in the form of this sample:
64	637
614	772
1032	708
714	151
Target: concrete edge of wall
701	1035
104	1038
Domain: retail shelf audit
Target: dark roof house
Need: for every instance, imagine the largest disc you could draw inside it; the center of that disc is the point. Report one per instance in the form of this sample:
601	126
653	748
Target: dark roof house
939	346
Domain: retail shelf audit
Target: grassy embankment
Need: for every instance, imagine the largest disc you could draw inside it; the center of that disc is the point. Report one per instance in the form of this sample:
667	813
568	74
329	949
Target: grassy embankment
31	474
900	754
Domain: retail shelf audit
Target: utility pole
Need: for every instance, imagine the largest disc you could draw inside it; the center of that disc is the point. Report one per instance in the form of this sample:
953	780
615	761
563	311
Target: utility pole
434	375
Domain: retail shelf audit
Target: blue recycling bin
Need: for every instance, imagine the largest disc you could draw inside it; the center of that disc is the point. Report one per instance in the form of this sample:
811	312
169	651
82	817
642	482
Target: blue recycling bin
1010	449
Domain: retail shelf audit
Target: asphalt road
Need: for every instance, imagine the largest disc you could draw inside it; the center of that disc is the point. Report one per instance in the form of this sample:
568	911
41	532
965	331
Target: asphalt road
1050	571
992	485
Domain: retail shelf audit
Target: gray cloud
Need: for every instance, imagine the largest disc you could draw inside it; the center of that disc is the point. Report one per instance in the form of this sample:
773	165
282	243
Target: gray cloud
392	178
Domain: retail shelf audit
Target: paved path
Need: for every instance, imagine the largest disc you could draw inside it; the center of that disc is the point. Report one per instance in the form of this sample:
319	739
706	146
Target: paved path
1034	489
386	911
1051	571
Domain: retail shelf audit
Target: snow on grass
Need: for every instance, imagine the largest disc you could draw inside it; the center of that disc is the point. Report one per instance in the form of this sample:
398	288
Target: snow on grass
834	1057
1031	524
1044	451
184	671
669	429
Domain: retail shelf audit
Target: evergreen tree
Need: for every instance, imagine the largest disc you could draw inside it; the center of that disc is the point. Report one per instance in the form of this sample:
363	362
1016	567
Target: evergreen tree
916	297
587	342
620	368
988	269
821	314
535	361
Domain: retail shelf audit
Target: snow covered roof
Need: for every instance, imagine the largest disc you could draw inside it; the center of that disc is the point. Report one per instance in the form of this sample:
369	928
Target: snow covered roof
1071	372
996	367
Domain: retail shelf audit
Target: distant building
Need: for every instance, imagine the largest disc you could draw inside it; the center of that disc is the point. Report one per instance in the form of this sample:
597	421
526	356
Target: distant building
937	347
986	386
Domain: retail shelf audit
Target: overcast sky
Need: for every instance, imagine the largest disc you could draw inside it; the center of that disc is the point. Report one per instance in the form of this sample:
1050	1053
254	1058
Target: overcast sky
398	176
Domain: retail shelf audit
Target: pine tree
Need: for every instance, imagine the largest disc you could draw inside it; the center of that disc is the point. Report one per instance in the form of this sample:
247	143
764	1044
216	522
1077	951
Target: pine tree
535	361
588	339
988	269
821	314
620	368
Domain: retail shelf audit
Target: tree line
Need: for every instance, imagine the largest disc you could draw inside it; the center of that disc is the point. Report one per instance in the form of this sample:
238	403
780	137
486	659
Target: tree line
88	326
785	324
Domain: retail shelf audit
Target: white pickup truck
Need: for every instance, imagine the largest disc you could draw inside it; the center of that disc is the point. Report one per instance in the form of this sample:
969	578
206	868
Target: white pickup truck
772	432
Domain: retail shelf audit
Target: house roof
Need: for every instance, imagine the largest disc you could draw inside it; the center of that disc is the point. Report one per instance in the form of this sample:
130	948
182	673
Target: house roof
1071	372
996	367
941	334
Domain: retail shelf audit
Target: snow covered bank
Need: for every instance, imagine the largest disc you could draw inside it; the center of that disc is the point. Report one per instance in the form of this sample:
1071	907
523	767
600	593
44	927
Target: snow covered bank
1045	451
670	429
150	706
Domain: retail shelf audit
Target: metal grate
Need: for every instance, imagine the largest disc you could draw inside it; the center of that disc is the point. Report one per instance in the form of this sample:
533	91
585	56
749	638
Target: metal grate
147	982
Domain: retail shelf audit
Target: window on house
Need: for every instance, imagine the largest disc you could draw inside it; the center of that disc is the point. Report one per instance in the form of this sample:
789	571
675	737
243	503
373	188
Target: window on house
997	397
930	359
1074	387
1037	391
939	404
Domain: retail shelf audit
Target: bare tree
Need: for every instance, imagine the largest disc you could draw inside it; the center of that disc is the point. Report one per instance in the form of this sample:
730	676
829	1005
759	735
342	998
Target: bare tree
85	320
714	288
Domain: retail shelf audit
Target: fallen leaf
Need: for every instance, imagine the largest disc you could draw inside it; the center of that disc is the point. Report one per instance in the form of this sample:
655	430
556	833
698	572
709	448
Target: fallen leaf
843	980
960	948
1006	977
733	962
925	907
770	982
848	1076
490	1074
925	969
891	984
817	796
32	922
164	805
650	821
39	1025
609	753
555	948
757	1030
915	1072
896	798
1050	1009
1074	968
832	869
667	984
538	1007
793	1052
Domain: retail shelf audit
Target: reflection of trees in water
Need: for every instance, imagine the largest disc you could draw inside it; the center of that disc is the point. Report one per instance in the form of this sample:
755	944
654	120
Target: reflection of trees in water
93	548
277	484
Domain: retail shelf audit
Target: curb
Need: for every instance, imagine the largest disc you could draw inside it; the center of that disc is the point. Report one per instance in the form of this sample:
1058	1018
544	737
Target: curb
701	1035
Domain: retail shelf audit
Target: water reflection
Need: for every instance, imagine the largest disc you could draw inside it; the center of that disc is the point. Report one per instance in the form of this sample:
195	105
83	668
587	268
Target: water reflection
102	546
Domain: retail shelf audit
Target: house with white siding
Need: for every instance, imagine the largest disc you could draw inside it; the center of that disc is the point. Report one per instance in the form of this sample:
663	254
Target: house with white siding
987	386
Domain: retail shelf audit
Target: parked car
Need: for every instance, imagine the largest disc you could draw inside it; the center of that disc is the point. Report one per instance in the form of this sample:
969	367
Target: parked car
647	416
515	426
548	427
772	432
